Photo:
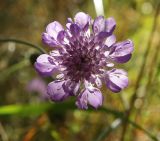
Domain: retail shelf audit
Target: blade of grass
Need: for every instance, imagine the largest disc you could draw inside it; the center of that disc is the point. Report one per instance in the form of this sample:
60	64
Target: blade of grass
25	110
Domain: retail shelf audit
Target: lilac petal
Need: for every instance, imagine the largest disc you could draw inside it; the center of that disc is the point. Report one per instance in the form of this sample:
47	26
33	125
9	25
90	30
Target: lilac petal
82	19
56	92
117	80
94	98
47	39
123	59
71	87
95	79
54	53
101	36
114	88
121	52
62	37
75	29
110	40
53	29
99	25
110	24
69	20
98	82
82	100
45	65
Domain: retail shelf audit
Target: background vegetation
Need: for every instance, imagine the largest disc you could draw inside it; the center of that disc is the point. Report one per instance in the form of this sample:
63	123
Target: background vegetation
132	115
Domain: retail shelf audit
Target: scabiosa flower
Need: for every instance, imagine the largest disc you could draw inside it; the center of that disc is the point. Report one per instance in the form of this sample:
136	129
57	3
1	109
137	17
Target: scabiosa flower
39	86
83	57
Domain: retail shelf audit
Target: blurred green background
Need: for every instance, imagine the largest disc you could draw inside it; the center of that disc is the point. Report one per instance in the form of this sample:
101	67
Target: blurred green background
132	115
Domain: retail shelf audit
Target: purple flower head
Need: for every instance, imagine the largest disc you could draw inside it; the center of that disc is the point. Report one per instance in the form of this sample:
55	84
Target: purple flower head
39	86
83	58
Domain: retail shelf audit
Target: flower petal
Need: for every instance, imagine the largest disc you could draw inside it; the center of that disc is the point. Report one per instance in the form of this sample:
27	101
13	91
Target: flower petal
45	65
71	87
82	100
53	29
56	92
101	36
82	19
62	37
110	24
75	29
99	25
56	55
98	82
123	59
50	41
121	52
117	80
110	40
94	98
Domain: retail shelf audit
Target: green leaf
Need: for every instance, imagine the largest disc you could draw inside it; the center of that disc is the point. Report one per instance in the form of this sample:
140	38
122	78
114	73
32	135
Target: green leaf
24	110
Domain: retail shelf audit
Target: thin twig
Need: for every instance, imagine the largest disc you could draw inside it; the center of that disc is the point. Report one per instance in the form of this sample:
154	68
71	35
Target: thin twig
22	42
140	75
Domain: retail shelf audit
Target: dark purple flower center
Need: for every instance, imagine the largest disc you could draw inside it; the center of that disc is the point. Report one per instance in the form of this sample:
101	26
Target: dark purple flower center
78	67
82	60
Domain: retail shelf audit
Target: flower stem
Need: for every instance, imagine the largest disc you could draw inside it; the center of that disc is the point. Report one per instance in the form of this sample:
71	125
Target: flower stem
22	42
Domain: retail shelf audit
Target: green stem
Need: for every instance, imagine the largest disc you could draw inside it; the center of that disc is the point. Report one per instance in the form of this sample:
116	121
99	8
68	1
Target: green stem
22	42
